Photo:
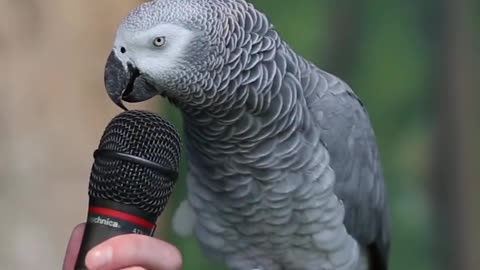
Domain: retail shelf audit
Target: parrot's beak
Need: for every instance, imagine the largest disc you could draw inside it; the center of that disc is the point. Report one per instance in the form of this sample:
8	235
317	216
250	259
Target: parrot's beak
125	83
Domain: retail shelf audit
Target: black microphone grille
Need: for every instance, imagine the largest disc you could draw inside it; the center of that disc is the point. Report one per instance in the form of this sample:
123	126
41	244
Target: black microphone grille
137	161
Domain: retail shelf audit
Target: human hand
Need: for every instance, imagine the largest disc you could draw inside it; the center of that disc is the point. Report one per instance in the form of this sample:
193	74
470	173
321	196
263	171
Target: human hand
124	252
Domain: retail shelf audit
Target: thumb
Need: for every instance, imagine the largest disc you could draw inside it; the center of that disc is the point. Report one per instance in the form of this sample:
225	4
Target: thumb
134	250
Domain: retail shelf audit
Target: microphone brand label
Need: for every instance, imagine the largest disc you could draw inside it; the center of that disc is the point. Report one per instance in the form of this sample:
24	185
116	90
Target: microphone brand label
121	221
104	221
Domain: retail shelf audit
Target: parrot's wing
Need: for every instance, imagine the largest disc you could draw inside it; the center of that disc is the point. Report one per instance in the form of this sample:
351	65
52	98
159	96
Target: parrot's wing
349	138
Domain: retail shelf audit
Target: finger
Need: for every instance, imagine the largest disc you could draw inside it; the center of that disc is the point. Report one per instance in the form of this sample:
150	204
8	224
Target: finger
134	250
73	247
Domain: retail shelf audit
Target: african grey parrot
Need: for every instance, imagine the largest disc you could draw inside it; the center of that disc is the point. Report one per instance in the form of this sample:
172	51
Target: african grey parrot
284	170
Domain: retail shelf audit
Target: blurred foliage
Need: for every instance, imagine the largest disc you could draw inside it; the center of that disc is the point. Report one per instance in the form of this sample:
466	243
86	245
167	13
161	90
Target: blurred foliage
390	70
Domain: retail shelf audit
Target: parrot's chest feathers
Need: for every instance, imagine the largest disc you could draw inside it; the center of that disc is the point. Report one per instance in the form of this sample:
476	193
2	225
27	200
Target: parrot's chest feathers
272	196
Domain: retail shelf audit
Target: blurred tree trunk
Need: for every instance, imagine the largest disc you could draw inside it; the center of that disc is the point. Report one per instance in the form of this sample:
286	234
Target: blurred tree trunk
454	168
345	35
52	113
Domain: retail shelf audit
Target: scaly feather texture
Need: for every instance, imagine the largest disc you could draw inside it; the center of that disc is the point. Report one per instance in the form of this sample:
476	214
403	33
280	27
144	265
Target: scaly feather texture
284	167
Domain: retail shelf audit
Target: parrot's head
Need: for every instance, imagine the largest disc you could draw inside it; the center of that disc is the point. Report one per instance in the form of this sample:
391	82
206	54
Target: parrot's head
167	47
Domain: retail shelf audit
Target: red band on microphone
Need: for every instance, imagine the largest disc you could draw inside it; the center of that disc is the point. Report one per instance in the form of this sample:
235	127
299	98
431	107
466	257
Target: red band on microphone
121	215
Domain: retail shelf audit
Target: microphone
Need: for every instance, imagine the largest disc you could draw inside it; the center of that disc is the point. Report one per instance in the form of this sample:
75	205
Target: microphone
132	177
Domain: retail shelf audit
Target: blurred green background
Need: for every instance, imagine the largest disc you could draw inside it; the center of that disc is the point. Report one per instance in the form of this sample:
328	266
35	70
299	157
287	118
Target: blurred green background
414	63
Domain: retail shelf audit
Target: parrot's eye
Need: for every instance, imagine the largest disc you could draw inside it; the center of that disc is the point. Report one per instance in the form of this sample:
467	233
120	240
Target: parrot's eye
159	41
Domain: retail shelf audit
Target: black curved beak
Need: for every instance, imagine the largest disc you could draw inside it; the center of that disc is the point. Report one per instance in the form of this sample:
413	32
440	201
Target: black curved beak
125	83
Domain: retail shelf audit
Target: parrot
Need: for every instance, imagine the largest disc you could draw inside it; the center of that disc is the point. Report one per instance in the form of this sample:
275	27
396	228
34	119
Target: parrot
284	170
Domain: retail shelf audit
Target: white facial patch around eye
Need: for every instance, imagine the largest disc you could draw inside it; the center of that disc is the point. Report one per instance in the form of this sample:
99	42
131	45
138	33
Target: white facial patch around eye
151	59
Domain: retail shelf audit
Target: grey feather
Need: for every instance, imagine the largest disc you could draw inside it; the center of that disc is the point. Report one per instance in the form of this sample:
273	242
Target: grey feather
350	140
284	168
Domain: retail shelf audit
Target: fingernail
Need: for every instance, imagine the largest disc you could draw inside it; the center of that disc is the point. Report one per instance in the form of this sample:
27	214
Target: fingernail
99	258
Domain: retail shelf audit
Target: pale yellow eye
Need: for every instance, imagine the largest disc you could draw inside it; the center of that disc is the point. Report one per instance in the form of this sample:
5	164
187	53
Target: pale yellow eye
159	41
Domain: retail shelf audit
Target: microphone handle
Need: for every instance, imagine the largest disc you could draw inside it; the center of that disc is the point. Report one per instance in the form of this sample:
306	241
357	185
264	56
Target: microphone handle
107	219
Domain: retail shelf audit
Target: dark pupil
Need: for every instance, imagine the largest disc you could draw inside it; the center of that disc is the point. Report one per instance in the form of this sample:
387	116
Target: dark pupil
159	40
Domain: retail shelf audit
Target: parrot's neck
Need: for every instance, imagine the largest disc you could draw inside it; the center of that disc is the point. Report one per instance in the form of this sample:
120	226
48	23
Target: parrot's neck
249	112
